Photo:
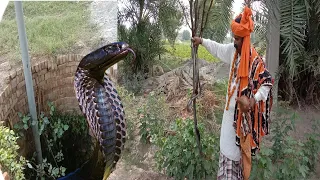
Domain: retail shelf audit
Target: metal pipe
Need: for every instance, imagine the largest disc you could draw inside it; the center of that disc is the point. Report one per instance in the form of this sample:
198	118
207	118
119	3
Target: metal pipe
28	77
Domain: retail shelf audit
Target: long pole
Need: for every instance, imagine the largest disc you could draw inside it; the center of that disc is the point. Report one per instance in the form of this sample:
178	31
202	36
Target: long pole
28	77
196	94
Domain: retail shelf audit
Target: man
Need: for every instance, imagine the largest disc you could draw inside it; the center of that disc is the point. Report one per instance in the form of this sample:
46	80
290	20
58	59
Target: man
248	101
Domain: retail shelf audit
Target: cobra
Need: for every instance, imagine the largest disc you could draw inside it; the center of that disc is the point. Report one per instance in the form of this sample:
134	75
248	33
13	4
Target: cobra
102	107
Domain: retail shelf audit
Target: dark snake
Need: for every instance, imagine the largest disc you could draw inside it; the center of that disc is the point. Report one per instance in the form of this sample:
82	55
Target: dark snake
101	105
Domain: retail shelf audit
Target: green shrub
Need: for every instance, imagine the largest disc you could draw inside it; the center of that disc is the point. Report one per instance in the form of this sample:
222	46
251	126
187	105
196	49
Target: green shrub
287	158
178	154
129	100
153	117
60	136
10	160
145	39
132	82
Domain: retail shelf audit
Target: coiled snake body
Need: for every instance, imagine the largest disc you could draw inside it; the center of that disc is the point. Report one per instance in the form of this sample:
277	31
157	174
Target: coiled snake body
100	103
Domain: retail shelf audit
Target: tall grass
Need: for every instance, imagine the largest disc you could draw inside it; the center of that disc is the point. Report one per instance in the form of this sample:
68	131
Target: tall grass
52	27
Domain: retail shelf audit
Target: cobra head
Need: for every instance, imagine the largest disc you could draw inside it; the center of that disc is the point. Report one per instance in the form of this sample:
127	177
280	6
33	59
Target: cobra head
98	61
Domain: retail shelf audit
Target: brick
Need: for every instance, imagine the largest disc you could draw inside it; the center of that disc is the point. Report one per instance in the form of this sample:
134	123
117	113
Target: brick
38	67
19	78
20	72
13	74
14	83
54	65
6	80
9	89
41	78
20	84
42	83
58	60
59	71
14	97
66	70
68	58
42	72
72	64
50	66
46	64
64	59
19	92
6	92
47	76
42	65
33	69
54	83
54	74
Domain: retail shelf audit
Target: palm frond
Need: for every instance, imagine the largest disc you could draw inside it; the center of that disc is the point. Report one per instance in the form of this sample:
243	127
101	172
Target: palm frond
292	32
312	62
317	6
219	20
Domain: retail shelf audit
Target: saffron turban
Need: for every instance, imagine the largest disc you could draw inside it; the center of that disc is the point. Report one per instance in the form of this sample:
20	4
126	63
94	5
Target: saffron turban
244	29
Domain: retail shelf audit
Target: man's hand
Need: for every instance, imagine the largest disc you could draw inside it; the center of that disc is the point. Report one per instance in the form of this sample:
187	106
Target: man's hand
245	104
4	176
196	41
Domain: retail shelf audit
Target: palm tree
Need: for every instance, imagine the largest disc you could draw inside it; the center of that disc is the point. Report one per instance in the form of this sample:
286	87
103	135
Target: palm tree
299	63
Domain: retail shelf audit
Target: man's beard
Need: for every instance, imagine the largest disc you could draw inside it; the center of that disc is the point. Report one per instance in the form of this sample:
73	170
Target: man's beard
235	46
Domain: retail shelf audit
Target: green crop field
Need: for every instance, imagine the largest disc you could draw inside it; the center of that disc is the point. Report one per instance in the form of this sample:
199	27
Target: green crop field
183	50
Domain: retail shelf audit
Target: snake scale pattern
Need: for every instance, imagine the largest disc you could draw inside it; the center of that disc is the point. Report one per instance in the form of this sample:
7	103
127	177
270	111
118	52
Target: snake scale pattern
100	103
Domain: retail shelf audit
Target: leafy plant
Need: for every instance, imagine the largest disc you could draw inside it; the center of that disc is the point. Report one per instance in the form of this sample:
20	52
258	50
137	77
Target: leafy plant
132	82
153	117
51	130
144	35
178	154
286	158
299	46
10	160
129	100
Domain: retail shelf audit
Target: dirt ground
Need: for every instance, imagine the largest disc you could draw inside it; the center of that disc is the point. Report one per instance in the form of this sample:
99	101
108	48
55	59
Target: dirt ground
307	116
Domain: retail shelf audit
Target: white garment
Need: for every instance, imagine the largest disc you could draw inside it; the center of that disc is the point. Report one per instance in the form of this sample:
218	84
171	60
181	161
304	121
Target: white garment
228	147
1	175
3	6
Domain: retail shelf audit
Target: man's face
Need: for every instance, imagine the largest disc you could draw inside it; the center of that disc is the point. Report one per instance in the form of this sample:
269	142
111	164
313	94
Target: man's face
237	42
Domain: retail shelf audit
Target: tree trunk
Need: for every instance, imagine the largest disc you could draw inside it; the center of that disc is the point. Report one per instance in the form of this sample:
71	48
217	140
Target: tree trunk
273	46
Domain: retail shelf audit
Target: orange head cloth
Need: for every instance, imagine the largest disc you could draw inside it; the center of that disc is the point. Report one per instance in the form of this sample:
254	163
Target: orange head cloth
243	29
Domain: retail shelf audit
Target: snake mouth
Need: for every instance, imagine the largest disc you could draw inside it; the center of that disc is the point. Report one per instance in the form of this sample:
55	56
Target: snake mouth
116	58
123	54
